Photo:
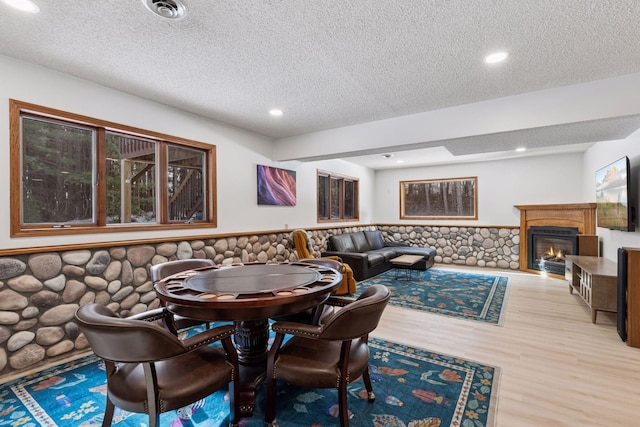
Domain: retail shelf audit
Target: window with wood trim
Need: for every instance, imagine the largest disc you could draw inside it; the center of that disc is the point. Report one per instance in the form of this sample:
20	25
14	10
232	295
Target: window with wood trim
337	197
73	174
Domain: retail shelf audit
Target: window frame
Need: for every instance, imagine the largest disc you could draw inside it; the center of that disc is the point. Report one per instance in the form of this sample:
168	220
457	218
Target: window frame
342	178
19	108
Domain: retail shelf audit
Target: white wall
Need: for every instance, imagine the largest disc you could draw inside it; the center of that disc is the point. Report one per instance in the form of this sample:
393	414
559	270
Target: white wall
238	153
598	156
501	185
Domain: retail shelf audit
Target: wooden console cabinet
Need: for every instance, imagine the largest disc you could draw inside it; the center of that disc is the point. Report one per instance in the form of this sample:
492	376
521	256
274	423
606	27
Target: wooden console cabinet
595	280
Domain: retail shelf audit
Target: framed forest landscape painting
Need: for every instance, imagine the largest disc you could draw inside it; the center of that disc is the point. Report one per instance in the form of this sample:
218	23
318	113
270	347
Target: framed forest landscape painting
455	198
276	186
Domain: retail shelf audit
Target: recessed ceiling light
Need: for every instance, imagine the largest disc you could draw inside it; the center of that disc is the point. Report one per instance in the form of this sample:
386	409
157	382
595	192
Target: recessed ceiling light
167	9
496	57
23	5
387	156
521	149
275	112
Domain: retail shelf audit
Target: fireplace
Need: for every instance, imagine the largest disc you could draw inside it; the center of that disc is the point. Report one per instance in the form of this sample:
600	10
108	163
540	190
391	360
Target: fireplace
571	215
548	247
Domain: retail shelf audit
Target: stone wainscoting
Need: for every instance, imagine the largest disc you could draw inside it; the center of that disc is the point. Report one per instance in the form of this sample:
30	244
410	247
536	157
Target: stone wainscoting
491	247
40	292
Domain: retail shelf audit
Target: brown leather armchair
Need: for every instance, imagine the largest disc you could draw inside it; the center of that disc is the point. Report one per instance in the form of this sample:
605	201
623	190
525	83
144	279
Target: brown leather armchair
165	269
149	370
329	355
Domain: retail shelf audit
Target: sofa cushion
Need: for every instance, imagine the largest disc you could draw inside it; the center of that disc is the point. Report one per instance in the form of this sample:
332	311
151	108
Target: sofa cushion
374	238
360	241
387	253
342	243
374	259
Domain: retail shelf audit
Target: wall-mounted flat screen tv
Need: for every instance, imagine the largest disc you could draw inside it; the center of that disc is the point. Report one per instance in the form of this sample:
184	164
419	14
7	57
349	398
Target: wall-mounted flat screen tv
612	196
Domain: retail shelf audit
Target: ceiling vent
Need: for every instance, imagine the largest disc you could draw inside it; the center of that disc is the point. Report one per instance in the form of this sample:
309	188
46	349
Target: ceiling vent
167	9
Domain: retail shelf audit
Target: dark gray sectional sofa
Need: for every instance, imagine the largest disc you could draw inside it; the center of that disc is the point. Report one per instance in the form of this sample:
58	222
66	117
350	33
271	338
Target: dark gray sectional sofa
368	254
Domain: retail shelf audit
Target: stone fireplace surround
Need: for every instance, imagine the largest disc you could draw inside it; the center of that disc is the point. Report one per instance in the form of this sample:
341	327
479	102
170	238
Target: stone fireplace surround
41	288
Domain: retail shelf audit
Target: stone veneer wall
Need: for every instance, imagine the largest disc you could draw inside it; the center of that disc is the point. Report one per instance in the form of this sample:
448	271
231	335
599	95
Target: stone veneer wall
40	292
492	247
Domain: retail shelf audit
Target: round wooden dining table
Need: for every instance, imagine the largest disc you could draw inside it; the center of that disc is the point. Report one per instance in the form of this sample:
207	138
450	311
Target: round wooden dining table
249	295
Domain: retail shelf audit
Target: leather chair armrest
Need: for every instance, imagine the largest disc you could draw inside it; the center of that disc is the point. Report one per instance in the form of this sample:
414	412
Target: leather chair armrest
158	314
209	336
297	329
153	315
339	301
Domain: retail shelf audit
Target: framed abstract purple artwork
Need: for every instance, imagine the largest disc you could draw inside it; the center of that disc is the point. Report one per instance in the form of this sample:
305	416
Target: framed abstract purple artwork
276	186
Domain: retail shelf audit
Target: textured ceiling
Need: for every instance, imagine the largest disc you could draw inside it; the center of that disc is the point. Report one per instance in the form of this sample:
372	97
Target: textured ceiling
566	138
327	63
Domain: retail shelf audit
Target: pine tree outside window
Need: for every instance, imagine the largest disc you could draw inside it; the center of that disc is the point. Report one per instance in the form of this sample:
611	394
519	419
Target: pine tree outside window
72	174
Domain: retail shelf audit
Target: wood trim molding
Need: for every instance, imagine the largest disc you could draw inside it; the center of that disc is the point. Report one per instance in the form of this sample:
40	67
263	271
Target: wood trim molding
450	225
579	215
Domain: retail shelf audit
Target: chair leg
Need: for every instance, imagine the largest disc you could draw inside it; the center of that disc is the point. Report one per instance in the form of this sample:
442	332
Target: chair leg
108	414
234	418
343	406
371	396
270	409
154	419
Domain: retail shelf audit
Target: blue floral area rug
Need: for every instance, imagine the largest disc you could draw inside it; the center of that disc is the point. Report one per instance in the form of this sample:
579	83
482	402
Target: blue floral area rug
413	387
469	296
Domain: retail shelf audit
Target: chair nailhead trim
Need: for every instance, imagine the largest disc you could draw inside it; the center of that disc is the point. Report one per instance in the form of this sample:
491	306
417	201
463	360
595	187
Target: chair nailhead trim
208	341
156	317
297	332
145	405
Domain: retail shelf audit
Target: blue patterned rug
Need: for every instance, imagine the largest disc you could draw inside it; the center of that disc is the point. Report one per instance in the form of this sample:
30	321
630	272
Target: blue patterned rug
471	296
414	388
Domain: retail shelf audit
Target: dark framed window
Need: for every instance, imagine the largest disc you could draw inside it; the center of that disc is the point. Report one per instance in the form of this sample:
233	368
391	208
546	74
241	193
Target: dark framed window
337	197
72	174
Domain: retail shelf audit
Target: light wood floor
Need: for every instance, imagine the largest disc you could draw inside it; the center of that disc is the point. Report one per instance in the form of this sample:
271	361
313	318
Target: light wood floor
557	368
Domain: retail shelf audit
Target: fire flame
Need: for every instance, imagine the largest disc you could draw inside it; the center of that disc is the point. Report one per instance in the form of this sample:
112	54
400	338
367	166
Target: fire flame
559	254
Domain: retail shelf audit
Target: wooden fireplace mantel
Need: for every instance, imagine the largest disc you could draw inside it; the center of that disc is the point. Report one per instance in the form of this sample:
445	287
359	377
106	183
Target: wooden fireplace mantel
577	215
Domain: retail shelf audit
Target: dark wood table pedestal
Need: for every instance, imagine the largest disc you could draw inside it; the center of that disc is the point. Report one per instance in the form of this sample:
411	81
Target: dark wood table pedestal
252	339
